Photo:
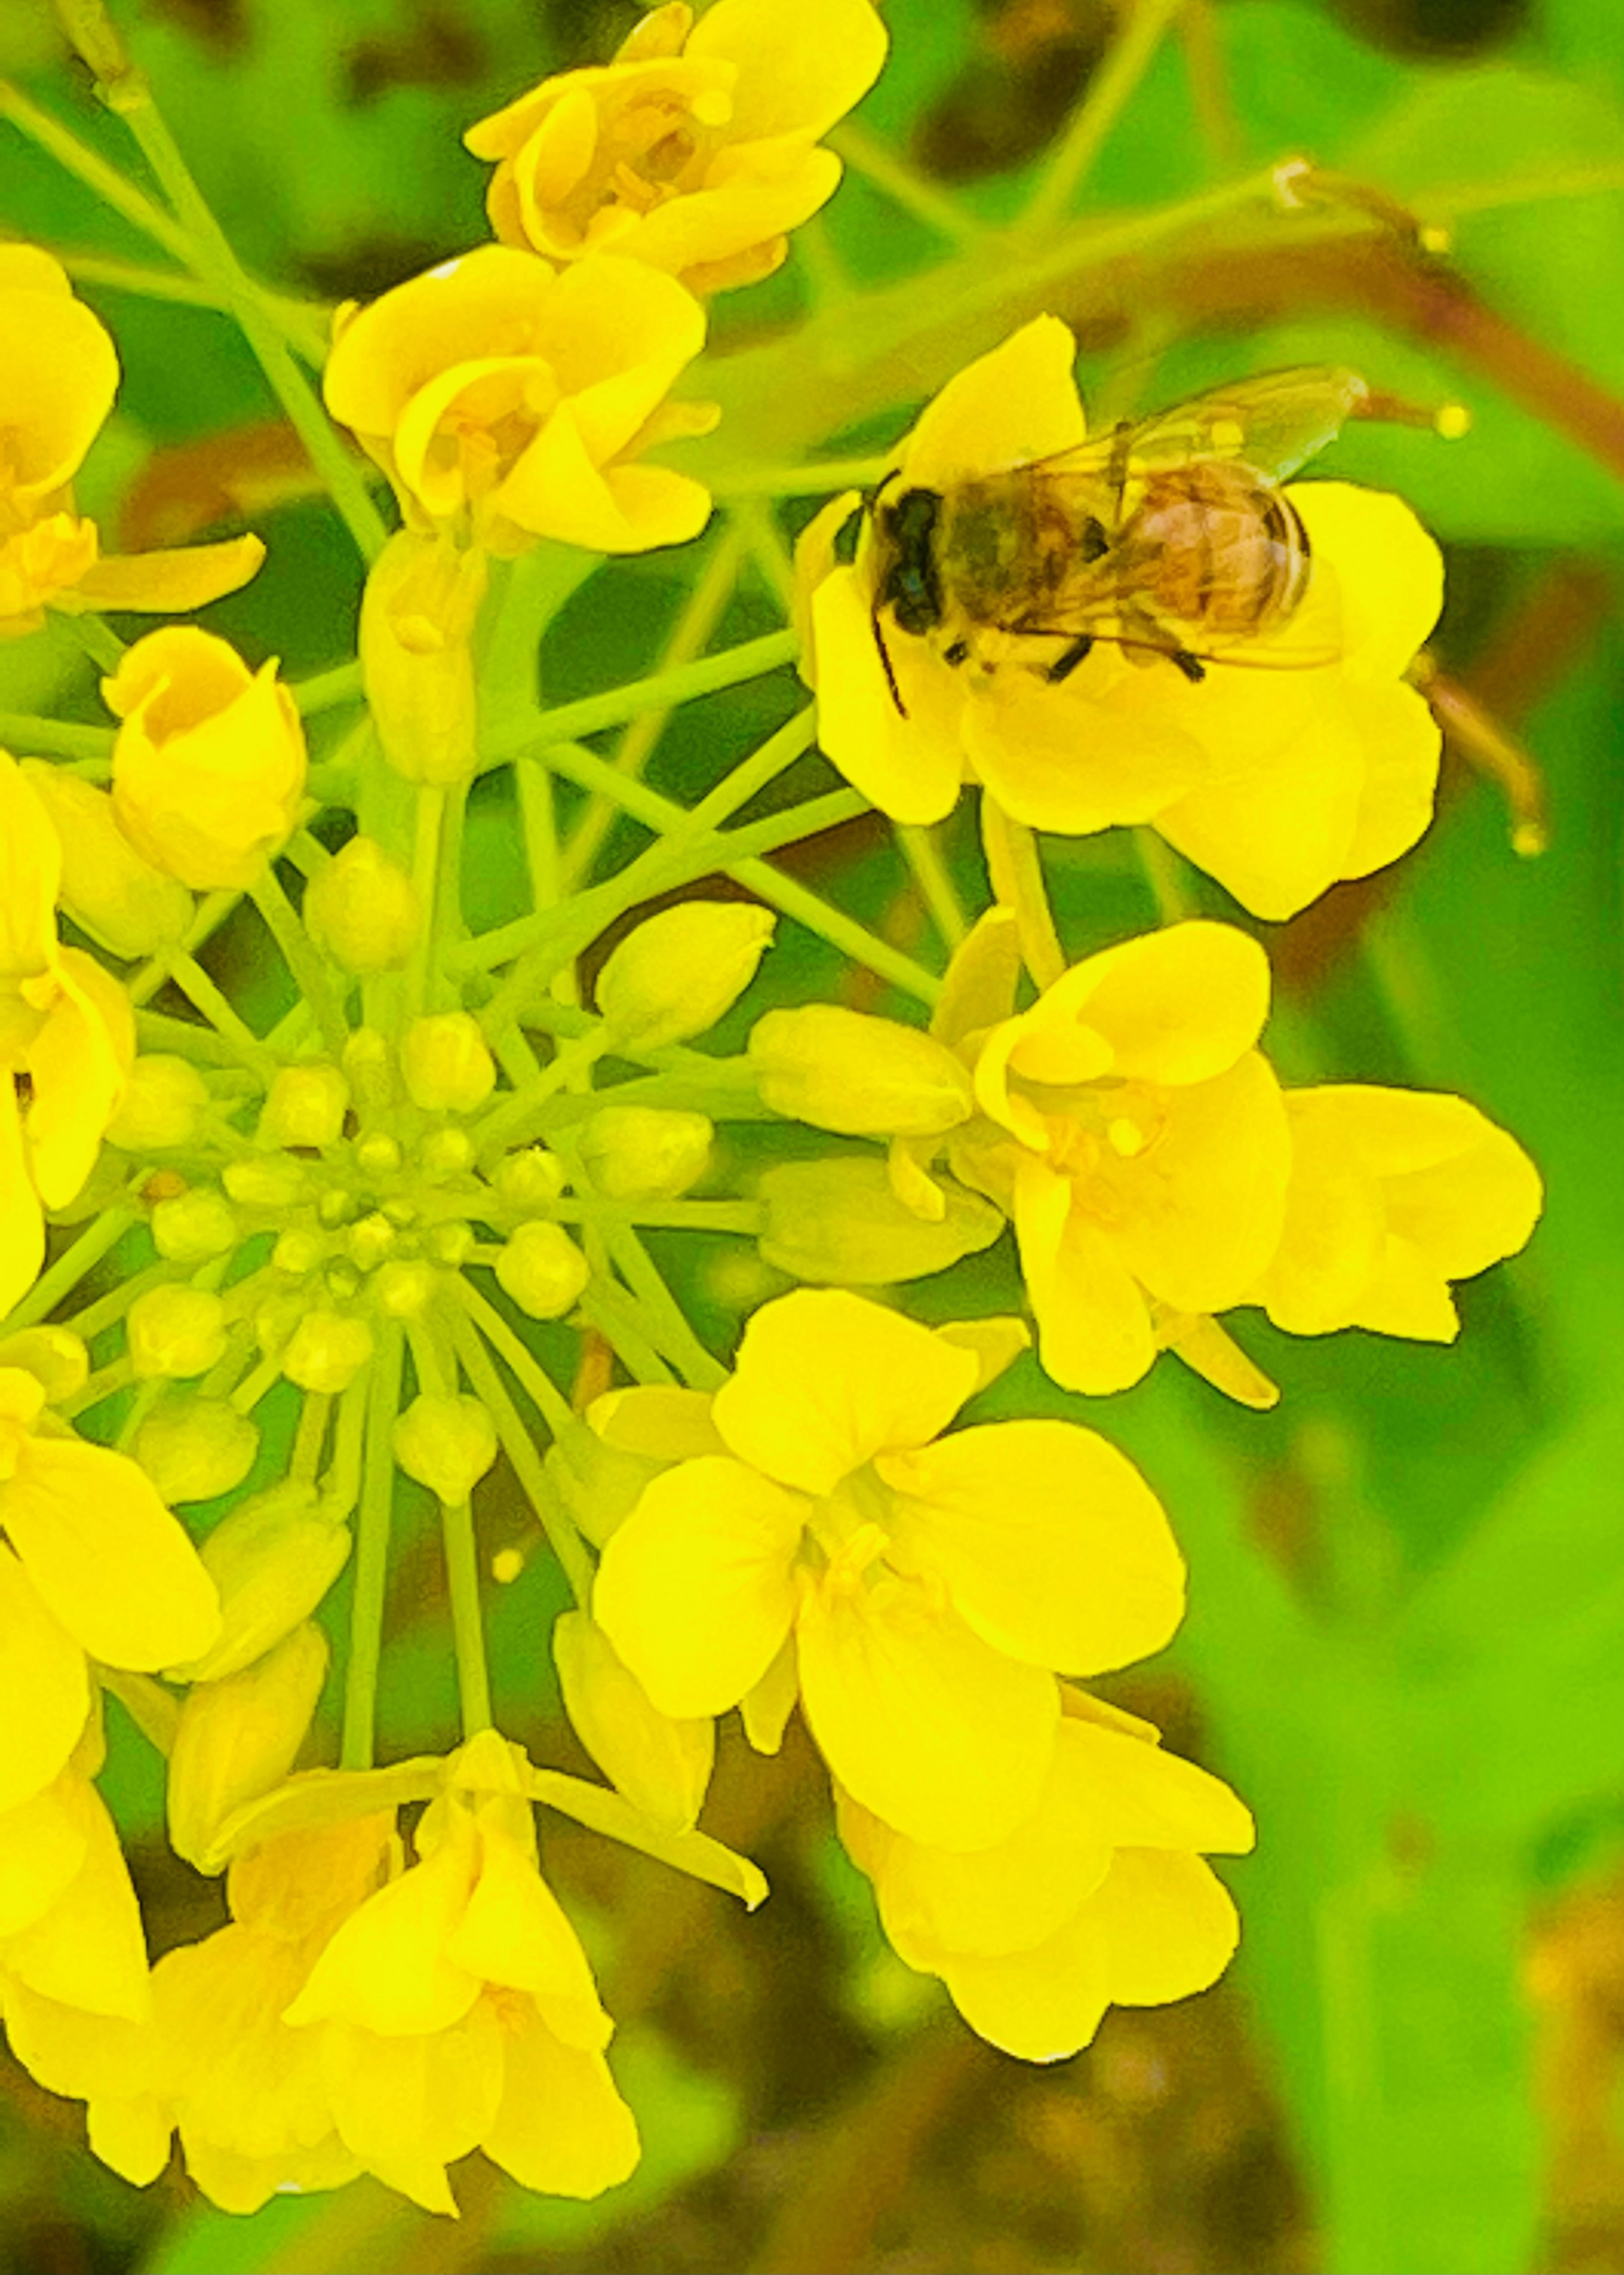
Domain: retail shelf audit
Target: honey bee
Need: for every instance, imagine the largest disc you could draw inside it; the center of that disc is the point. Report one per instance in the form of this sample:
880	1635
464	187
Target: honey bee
1169	537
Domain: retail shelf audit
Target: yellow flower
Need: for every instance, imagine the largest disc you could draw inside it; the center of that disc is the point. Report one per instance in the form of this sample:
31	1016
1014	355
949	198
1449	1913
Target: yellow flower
96	1567
1101	1896
930	1584
70	1927
1394	1194
696	148
58	375
1139	1142
1276	775
507	400
209	763
64	1025
456	2008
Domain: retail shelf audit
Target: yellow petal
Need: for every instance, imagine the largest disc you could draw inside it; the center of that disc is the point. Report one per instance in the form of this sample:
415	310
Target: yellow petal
40	1663
384	353
1052	1546
905	761
1404	745
58	380
1017	403
88	1950
561	2127
1390	572
408	2107
1277	835
1169	1924
825	1381
30	877
617	334
799	70
388	1967
172	581
1137	1795
515	1932
1177	1006
1093	1326
945	1738
1055	760
77	1061
43	1846
22	1227
695	1589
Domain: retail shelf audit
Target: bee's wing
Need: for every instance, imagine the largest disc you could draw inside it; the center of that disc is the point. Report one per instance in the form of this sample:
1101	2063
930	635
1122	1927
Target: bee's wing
1273	424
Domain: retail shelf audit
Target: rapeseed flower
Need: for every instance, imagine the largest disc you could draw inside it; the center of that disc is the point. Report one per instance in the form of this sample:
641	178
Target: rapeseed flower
929	1585
1305	760
66	1029
1099	1897
508	401
695	149
58	377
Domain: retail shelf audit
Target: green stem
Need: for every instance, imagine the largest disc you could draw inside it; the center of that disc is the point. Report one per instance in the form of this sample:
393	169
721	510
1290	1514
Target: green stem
1165	875
212	911
1016	874
107	1310
922	851
462	1574
520	1448
821	478
662	1216
97	638
1109	92
86	165
57	738
870	155
612	1312
669	1325
431	806
195	984
210	252
309	1438
341	1487
329	689
299	953
752	659
74	1263
372	1549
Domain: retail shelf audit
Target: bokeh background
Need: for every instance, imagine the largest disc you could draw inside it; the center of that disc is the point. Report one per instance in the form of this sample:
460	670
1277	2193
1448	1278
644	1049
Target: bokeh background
1407	1639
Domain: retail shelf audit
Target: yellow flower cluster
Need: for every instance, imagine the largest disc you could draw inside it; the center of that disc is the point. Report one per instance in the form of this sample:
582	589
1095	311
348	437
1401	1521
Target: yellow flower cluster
814	1536
1153	1169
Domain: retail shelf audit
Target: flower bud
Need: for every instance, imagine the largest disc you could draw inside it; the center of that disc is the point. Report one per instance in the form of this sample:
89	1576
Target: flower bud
196	1449
210	764
542	1269
304	1105
327	1350
368	1242
300	1250
529	1179
404	1288
163	1100
863	1077
838	1222
266	1181
193	1226
273	1560
678	973
239	1737
446	1444
418	615
446	1064
660	1764
276	1319
363	909
120	900
175	1331
451	1243
645	1152
55	1357
446	1152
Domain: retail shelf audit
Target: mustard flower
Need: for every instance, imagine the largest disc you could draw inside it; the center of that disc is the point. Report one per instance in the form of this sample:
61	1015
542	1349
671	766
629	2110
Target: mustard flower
508	401
930	1585
94	1567
64	1024
71	1942
695	149
1099	1896
209	761
58	375
456	2008
1305	759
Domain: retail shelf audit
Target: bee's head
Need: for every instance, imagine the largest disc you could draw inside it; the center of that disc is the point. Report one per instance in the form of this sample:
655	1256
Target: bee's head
908	583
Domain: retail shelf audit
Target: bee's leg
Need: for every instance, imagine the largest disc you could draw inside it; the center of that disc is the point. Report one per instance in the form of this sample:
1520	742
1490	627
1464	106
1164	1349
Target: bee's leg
1067	661
1191	666
956	653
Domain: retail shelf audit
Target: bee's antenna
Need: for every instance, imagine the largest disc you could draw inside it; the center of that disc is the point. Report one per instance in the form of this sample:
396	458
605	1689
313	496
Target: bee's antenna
885	659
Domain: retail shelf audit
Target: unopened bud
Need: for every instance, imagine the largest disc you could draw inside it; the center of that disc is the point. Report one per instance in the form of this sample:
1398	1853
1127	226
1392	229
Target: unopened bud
304	1105
163	1100
327	1350
404	1288
377	1154
363	909
543	1270
451	1243
417	617
446	1064
678	973
446	1152
194	1226
266	1181
863	1077
368	1242
273	1560
119	899
55	1357
661	1765
368	1064
300	1250
529	1179
175	1331
196	1449
645	1152
239	1736
446	1444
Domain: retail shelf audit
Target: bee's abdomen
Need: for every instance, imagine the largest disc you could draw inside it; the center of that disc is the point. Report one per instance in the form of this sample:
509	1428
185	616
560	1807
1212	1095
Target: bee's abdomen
1216	547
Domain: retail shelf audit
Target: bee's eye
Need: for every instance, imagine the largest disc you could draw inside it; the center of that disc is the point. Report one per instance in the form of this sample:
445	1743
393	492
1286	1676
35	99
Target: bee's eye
1096	544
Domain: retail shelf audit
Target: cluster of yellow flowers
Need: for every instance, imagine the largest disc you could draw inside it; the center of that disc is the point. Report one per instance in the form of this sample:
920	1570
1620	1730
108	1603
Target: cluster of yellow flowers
374	1194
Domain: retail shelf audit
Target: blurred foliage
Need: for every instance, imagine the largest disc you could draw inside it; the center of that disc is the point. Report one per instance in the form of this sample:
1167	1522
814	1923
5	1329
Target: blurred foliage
1407	1637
